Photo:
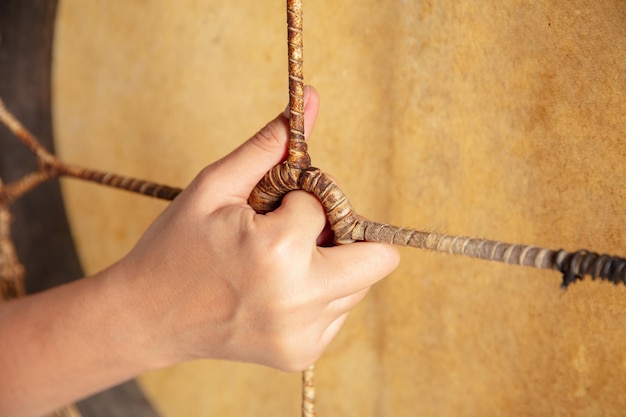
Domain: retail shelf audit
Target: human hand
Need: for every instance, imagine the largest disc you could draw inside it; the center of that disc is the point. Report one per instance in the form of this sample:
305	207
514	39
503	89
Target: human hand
213	279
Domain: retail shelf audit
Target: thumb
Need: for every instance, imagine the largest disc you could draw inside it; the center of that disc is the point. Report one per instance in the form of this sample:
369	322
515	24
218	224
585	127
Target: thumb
242	169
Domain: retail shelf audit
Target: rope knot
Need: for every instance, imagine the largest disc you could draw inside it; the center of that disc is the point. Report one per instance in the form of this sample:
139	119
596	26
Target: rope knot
283	178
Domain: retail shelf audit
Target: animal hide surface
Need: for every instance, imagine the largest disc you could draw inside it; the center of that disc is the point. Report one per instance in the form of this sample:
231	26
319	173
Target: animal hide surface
500	120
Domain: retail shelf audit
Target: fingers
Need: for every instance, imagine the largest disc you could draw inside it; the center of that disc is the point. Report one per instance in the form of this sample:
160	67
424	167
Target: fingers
241	170
331	331
349	269
301	212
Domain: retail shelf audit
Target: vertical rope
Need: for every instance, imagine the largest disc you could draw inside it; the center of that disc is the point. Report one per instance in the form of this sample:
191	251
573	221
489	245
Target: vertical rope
308	392
11	270
298	156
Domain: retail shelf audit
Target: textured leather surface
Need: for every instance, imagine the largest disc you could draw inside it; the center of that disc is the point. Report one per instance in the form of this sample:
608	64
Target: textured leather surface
502	120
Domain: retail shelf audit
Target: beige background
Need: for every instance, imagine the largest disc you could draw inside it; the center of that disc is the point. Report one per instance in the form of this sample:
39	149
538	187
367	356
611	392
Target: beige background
504	120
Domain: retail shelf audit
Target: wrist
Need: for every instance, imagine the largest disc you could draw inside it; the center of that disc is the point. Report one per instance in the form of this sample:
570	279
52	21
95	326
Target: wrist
67	343
133	323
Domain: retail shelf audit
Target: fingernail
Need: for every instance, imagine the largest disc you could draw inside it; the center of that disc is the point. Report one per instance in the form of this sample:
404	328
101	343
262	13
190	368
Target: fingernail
307	94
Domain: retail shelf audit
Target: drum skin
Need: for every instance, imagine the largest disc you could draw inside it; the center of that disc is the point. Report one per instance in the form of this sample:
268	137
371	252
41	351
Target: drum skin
500	120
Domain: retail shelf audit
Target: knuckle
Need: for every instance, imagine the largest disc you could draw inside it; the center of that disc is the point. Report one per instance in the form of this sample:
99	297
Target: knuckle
204	176
279	246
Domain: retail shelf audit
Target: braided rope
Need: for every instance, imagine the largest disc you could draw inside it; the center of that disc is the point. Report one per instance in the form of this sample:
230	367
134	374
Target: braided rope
573	265
298	156
11	270
308	392
121	182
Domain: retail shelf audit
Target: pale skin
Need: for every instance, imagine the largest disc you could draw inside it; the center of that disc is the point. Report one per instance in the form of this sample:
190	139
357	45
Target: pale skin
210	278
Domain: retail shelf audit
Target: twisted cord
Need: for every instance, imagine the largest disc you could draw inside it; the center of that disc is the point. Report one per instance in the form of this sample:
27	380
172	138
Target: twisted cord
14	125
12	191
11	270
298	156
121	182
278	181
308	392
281	179
573	265
339	211
457	245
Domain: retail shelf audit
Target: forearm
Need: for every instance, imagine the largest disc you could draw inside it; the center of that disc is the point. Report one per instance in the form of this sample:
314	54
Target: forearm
66	343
